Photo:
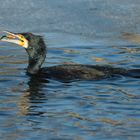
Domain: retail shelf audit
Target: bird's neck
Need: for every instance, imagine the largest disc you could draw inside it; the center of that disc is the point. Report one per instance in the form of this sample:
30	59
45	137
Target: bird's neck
35	65
37	54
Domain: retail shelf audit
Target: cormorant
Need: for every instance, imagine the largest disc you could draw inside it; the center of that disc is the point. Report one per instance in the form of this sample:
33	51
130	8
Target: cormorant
36	49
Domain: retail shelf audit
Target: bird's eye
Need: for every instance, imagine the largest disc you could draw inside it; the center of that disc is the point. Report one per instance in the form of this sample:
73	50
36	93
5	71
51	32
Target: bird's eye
22	37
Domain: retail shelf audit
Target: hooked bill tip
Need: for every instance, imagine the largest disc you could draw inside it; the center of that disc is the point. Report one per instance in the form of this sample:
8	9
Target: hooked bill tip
2	37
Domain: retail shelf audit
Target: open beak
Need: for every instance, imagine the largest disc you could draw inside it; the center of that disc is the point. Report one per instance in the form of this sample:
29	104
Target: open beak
14	38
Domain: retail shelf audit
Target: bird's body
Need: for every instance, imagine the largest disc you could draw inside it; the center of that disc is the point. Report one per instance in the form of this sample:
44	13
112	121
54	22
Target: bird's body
81	72
36	49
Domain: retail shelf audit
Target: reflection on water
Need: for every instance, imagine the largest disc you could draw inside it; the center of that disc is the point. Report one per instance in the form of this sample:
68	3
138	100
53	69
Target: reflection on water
32	95
38	108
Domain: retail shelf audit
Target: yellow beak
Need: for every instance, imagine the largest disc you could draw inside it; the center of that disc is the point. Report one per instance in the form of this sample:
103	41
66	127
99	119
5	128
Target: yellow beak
14	38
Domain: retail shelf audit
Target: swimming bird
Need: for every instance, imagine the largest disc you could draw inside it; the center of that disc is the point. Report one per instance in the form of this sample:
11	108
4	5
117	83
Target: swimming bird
36	50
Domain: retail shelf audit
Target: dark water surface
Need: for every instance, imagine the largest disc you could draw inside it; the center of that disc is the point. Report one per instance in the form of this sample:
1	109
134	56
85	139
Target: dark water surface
32	108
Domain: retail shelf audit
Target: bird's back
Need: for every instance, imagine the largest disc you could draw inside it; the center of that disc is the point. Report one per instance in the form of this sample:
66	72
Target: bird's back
81	72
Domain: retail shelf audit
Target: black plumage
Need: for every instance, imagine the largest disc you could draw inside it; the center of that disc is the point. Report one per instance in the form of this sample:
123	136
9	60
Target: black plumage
37	53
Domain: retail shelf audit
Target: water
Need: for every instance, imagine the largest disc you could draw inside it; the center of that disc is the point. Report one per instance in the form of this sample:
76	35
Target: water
34	108
76	31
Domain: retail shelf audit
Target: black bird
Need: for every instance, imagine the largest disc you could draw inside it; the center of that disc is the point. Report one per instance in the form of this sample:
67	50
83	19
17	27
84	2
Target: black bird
36	49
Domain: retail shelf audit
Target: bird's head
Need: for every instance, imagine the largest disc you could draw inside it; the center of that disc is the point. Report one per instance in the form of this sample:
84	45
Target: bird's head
33	44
